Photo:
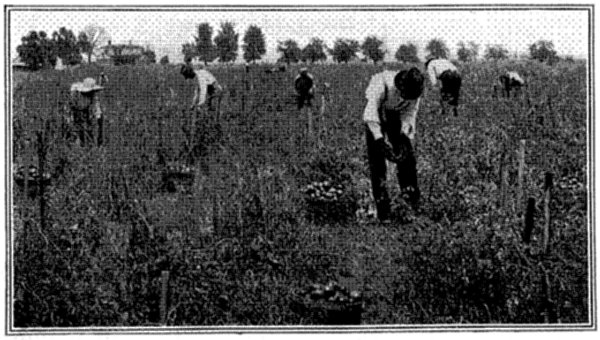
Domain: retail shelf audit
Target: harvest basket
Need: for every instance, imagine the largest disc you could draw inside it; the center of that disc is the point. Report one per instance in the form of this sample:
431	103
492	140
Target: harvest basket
327	311
327	202
178	178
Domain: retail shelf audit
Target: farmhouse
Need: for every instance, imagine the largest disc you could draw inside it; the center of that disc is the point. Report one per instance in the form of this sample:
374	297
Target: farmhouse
18	65
122	54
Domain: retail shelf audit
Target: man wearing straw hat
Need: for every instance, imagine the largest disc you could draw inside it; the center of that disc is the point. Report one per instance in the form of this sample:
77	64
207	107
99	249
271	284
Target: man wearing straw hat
84	103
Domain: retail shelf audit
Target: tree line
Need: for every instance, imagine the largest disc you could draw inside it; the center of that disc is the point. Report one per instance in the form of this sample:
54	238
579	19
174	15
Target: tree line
224	48
37	50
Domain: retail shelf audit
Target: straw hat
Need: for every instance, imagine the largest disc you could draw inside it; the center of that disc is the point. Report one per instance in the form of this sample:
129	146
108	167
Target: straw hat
88	85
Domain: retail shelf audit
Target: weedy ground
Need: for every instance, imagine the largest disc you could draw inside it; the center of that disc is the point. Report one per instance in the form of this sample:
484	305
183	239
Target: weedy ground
243	237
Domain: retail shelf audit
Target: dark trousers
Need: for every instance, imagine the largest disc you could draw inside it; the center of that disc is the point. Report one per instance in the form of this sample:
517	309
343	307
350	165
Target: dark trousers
215	95
406	170
304	99
450	91
84	127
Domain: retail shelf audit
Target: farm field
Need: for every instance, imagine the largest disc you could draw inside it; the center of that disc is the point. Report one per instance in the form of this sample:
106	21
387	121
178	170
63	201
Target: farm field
239	236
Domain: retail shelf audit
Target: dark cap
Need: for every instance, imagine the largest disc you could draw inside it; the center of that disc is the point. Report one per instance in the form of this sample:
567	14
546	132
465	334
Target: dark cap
410	83
187	71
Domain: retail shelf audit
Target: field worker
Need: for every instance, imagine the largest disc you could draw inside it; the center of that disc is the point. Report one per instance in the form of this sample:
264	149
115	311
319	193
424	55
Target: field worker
207	87
84	103
509	81
444	71
304	84
390	118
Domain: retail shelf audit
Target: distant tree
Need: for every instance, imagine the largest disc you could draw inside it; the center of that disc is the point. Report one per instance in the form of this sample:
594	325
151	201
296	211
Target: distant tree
189	50
66	46
254	44
226	42
474	49
205	48
371	48
407	53
437	49
496	52
344	50
543	51
95	36
36	50
149	55
314	51
467	53
84	45
164	60
290	51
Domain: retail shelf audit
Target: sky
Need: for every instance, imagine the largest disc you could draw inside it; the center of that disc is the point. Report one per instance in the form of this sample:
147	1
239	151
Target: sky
166	31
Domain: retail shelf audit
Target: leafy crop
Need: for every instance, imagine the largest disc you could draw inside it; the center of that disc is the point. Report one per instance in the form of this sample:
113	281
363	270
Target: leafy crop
221	206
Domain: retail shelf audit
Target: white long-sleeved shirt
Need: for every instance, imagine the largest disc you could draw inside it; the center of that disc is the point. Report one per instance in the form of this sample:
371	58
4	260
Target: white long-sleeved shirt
378	98
438	66
514	76
204	78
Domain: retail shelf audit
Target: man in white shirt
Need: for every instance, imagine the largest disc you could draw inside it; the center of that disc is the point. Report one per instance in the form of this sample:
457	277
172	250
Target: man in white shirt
304	83
207	87
444	71
509	81
390	118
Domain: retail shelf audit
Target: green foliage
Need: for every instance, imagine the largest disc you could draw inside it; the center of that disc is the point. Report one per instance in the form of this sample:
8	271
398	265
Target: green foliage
543	51
467	54
205	47
371	48
314	51
242	236
95	36
85	45
436	48
344	50
189	51
290	51
495	52
407	53
66	47
226	42
149	55
37	51
254	44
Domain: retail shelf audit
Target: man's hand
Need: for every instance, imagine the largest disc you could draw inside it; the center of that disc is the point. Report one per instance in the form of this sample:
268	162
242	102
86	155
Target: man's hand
387	150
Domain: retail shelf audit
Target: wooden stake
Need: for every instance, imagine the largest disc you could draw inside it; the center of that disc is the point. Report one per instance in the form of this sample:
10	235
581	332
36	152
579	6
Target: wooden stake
504	179
163	296
42	148
310	122
520	173
547	221
26	179
529	221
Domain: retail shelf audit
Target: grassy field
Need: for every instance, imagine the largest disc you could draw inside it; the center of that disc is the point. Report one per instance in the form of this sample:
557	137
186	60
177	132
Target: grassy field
240	237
